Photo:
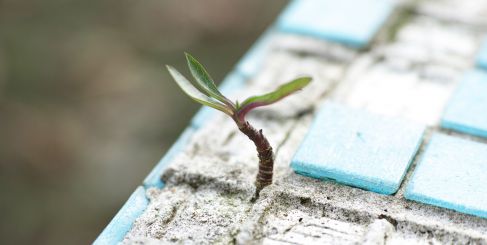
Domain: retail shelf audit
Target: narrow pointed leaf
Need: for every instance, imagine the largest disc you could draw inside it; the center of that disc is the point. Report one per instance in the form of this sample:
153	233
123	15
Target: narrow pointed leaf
280	93
204	80
194	93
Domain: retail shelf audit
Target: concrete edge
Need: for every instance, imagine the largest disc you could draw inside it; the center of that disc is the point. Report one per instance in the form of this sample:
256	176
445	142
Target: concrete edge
115	231
153	179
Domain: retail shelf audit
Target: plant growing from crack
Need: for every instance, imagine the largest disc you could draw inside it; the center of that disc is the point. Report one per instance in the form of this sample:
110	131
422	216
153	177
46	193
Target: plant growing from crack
204	91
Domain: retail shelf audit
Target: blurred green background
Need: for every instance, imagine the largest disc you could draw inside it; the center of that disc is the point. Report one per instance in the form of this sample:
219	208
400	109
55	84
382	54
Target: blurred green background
86	108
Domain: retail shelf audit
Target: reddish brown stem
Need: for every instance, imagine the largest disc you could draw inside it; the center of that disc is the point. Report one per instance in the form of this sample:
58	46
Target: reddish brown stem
264	151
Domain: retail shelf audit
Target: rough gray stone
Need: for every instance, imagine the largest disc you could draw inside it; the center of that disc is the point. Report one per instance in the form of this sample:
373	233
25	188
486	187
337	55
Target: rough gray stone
203	215
378	232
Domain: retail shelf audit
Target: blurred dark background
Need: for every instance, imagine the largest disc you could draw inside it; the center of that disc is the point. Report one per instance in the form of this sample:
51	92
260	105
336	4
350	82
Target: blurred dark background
86	108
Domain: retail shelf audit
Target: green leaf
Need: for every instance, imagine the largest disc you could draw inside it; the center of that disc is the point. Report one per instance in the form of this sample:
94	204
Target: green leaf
266	99
195	94
204	80
278	94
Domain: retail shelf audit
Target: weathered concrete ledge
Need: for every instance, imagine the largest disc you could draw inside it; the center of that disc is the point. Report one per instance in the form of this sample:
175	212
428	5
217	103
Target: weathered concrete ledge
209	181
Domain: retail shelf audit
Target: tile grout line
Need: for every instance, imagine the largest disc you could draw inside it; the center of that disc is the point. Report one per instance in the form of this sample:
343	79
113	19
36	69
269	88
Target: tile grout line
429	131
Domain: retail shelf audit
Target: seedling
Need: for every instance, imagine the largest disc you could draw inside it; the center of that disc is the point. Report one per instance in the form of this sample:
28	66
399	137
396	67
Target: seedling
204	91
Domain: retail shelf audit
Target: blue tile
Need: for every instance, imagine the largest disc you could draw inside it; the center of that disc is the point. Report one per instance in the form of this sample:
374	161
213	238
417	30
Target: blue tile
252	61
349	22
154	177
452	174
482	56
232	83
357	148
123	220
467	108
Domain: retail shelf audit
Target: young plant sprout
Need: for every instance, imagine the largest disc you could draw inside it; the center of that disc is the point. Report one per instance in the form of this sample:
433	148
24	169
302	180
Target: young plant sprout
204	91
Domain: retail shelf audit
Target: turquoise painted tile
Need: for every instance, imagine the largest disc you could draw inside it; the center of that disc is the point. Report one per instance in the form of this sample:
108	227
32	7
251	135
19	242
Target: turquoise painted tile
452	174
231	83
357	148
482	56
252	61
467	108
349	22
154	177
123	220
